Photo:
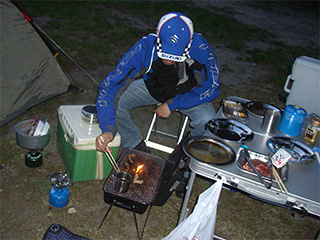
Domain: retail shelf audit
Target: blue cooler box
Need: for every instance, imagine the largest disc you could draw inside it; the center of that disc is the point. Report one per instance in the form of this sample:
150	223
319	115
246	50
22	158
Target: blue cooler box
76	144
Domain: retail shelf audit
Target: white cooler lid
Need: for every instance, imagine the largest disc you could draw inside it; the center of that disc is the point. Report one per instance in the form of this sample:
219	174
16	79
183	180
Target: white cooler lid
79	131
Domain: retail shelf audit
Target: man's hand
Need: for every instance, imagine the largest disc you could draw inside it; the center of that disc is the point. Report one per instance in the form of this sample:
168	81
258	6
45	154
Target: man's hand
103	140
163	110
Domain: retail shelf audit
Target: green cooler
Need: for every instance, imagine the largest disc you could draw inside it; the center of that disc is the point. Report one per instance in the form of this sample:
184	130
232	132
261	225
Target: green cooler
76	144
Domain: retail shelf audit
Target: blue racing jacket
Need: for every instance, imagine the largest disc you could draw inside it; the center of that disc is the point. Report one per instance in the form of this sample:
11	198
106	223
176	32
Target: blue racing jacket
138	62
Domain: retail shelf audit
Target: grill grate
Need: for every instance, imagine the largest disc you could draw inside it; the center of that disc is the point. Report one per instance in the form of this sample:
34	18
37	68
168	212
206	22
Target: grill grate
152	171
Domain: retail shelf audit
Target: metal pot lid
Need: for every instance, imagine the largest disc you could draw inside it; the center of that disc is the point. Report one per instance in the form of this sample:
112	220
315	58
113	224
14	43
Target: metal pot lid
230	130
258	109
301	153
208	150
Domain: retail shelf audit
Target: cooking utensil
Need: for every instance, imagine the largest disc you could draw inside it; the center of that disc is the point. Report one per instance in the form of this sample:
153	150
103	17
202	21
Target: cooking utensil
231	132
122	182
112	161
248	158
301	153
278	180
209	150
258	109
30	142
138	196
270	121
241	163
89	114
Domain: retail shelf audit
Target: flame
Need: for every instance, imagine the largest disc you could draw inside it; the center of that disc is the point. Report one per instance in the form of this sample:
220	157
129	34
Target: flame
140	168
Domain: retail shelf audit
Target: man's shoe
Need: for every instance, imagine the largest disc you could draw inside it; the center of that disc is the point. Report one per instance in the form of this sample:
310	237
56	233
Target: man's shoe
143	147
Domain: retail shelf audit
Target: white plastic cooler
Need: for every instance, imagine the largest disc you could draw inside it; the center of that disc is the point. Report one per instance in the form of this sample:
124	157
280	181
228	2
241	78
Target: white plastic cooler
303	84
76	145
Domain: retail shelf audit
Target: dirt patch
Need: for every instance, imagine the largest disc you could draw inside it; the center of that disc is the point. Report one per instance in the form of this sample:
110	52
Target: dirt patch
25	209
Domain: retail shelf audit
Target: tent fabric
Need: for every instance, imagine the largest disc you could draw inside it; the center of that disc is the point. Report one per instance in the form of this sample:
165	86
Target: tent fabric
29	72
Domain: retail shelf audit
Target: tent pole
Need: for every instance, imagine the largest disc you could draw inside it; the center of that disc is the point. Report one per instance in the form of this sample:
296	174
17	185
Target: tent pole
77	86
66	54
48	41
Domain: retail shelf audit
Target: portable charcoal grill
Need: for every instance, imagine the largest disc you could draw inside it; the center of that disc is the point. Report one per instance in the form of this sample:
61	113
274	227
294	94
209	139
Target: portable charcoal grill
138	196
160	178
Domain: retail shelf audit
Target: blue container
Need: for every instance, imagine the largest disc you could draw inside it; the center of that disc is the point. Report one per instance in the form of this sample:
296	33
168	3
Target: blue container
292	120
59	197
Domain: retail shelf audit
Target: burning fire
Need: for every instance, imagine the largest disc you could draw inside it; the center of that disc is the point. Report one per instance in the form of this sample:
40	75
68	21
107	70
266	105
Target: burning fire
136	176
140	168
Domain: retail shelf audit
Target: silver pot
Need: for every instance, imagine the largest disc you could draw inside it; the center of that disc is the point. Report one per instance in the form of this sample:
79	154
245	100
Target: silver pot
89	114
258	109
30	142
122	182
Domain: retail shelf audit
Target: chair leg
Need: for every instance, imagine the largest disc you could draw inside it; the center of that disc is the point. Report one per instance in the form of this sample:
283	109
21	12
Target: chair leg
182	128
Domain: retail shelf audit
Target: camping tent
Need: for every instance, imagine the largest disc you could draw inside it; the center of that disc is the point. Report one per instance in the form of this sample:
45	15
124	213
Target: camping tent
29	72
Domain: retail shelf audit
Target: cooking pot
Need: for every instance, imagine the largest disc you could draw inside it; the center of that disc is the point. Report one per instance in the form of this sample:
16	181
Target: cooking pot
89	114
258	109
30	142
122	181
229	131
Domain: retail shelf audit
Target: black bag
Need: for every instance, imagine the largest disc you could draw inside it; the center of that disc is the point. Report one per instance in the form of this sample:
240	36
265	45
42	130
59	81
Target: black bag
58	232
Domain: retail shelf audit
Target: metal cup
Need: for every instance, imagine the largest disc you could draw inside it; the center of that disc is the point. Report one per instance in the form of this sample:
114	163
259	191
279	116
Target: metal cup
270	121
122	182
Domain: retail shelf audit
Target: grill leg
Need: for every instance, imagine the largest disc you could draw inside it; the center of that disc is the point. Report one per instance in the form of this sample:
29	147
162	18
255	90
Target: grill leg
136	222
106	214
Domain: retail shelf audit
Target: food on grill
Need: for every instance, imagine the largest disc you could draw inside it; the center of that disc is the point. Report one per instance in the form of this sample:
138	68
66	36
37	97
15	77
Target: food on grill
131	157
131	160
262	167
137	180
127	167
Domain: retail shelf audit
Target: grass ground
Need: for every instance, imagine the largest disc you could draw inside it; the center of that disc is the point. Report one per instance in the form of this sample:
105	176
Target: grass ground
97	34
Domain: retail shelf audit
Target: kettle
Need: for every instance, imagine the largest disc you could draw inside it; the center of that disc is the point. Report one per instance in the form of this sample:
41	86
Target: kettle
292	120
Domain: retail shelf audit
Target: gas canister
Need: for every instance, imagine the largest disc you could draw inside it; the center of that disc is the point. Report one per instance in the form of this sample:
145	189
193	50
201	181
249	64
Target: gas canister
292	120
59	194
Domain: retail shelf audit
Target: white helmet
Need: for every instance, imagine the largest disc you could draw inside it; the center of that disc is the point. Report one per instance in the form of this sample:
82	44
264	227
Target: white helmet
174	36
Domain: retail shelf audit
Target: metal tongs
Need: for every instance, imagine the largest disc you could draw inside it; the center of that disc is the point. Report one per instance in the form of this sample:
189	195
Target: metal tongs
248	158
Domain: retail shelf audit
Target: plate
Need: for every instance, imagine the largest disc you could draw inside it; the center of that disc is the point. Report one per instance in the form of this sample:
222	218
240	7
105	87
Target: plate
230	130
208	150
301	153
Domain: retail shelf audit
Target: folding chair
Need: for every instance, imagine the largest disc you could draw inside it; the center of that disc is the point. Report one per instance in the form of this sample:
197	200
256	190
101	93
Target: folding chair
153	129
